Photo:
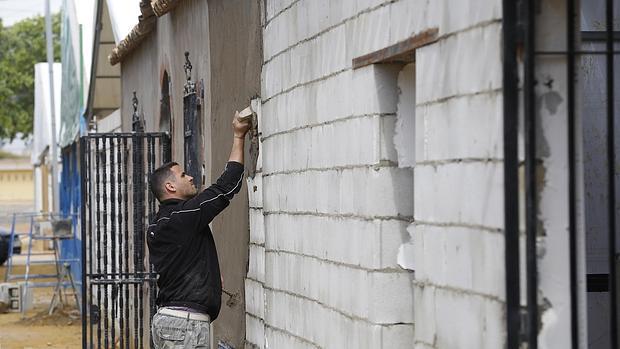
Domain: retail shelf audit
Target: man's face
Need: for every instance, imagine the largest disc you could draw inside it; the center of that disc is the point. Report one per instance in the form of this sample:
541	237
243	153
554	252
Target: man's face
183	183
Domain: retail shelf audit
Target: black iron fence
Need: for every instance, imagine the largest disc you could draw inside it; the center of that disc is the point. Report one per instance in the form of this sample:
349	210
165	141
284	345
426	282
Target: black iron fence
119	282
588	42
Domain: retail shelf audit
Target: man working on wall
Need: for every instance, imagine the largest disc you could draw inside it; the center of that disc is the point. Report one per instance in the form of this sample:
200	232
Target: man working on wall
182	249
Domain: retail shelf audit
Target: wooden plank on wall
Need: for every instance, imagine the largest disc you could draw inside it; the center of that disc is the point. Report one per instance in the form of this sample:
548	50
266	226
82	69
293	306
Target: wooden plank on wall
401	52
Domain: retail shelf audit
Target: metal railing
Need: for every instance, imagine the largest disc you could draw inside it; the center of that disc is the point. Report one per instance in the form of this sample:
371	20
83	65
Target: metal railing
119	281
520	39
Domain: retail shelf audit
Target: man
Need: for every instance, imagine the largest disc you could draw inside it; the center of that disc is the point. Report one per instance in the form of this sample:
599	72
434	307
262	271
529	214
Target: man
183	251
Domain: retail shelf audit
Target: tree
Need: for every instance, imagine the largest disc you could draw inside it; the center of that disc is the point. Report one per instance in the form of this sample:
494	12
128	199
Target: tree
21	46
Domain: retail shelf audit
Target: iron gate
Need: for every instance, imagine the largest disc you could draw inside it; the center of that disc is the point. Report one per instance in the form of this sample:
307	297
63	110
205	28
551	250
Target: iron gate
118	282
589	39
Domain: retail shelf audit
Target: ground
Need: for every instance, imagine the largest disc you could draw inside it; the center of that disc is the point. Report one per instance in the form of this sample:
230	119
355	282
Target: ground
63	329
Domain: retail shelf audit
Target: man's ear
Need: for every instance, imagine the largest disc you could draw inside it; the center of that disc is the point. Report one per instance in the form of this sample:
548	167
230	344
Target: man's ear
170	187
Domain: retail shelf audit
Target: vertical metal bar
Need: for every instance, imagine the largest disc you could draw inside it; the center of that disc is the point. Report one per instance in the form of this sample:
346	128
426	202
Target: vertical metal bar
126	237
572	212
611	165
104	168
83	193
511	168
114	272
166	148
119	178
98	234
90	232
137	204
531	218
151	198
140	237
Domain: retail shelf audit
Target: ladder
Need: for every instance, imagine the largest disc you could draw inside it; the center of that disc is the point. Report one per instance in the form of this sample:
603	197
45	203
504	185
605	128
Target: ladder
62	273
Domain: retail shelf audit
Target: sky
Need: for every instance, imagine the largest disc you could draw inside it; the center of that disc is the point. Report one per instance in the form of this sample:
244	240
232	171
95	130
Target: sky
12	11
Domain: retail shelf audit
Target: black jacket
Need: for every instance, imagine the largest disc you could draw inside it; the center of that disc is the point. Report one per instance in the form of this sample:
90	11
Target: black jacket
182	249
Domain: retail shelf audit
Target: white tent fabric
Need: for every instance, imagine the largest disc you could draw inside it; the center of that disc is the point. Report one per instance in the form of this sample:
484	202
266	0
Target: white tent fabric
42	128
85	14
124	16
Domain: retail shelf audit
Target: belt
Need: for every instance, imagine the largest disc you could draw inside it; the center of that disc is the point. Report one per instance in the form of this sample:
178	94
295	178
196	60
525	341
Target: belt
184	314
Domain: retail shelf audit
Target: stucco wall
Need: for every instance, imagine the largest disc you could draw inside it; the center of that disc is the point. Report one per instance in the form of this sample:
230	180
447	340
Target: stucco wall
223	38
235	46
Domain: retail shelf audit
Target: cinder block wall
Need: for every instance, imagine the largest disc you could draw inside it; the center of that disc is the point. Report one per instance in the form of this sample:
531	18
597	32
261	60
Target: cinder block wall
333	243
457	234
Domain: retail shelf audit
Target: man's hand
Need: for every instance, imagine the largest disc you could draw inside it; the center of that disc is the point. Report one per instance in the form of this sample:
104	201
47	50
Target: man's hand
240	128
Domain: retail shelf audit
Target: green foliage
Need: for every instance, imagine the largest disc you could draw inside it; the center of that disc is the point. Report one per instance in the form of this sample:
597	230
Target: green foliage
21	46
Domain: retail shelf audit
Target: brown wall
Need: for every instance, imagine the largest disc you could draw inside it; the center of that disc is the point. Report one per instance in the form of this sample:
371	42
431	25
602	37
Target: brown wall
224	41
236	59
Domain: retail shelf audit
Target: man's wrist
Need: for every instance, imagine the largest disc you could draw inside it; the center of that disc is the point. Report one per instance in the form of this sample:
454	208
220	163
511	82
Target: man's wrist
238	136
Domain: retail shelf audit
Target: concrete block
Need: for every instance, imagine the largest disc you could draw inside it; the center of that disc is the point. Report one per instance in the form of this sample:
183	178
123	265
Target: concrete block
408	18
330	52
314	17
406	251
370	244
308	61
257	226
397	336
380	297
302	23
466	63
450	319
277	338
453	16
367	192
405	135
387	134
323	282
460	128
317	324
425	313
461	258
391	298
393	235
256	263
255	190
322	55
364	5
273	7
462	193
382	94
255	331
278	34
368	32
366	91
254	298
330	145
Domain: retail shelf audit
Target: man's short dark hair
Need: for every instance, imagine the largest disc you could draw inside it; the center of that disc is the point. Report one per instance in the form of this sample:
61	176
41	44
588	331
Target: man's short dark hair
159	177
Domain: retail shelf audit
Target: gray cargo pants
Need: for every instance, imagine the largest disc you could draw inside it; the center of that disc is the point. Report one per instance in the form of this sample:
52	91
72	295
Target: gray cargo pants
171	332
